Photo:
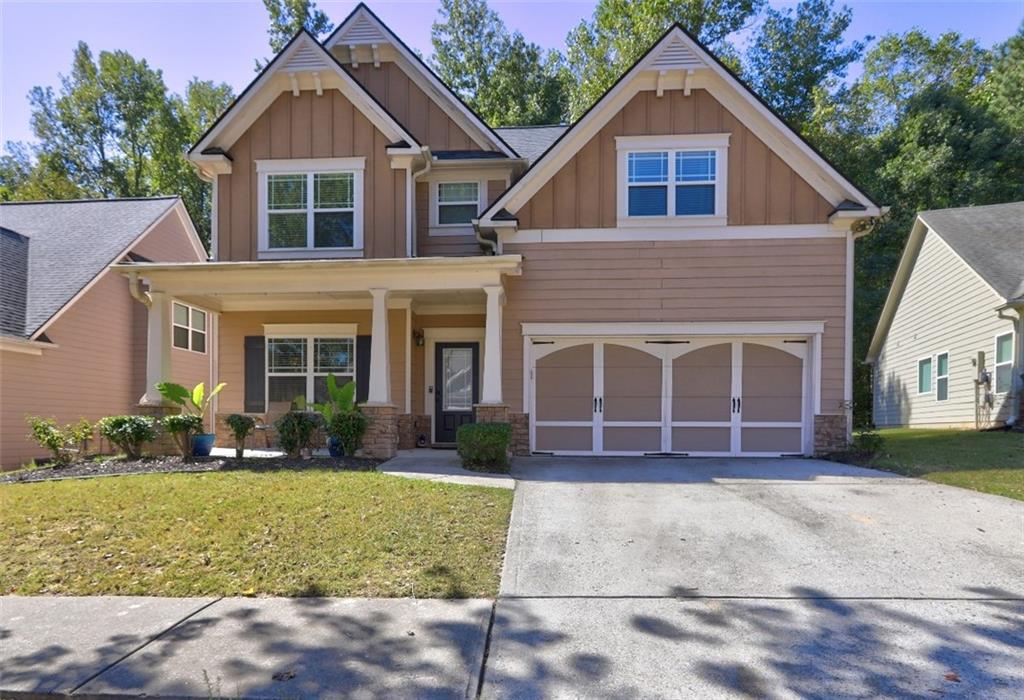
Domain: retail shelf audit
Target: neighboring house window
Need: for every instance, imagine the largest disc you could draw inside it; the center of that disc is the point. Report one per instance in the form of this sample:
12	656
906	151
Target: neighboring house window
672	178
188	331
942	377
1004	363
298	367
924	376
457	202
311	205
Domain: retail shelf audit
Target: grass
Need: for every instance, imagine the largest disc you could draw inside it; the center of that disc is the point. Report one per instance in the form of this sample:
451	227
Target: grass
243	533
992	462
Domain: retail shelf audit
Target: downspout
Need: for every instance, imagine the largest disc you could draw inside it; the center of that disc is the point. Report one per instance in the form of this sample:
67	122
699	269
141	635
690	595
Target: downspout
415	175
135	290
487	242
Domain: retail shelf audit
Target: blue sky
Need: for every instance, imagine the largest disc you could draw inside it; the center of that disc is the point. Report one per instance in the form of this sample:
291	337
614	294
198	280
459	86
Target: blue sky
219	40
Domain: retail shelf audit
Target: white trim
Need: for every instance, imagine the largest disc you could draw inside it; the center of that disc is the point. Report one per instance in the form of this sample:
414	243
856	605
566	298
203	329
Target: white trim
310	373
408	358
23	346
436	228
942	376
930	359
310	167
189	308
724	328
996	364
848	335
681	142
214	217
432	336
321	329
671	232
672	145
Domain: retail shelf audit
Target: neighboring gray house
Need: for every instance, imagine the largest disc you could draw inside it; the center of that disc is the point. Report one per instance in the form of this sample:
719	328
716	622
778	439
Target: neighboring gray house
947	351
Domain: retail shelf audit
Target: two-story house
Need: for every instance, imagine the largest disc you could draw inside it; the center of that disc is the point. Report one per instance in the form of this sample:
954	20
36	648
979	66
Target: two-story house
670	274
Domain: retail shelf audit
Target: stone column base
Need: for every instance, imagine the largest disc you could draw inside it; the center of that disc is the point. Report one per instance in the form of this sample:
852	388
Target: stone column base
164	443
411	428
490	413
381	438
829	434
520	444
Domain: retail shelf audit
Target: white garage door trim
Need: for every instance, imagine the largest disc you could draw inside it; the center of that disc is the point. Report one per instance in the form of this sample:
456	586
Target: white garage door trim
672	340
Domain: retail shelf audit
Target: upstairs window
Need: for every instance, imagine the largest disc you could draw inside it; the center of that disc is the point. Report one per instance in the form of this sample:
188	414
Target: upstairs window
188	328
457	203
1004	363
672	179
310	205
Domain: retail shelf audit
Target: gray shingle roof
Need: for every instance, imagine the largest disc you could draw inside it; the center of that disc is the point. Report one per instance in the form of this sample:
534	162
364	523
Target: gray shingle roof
531	141
69	243
989	238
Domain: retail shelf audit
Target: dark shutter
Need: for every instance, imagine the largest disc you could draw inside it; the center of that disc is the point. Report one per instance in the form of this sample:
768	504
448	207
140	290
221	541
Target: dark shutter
362	368
255	374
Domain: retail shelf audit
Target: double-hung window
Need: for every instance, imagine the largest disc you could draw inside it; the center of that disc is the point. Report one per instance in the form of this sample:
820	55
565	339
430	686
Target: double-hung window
297	367
924	376
188	328
1004	363
310	206
942	376
672	178
457	203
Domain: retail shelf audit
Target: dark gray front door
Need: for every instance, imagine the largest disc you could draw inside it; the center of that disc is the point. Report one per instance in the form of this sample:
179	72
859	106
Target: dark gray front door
456	373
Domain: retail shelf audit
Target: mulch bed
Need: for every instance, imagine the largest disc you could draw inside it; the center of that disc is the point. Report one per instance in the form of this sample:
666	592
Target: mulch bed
166	465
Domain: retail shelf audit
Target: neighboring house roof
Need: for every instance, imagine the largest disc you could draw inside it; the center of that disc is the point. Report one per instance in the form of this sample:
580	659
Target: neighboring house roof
531	141
468	155
69	243
678	52
989	239
363	26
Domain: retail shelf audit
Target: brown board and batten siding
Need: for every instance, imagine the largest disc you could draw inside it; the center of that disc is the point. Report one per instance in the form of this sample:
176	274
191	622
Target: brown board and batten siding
679	281
447	246
762	189
308	126
412	107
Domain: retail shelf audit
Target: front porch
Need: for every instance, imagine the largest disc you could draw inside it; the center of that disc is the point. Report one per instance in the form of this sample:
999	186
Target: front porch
421	338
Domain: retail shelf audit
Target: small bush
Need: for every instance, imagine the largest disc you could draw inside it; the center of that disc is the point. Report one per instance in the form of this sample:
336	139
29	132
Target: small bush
241	427
484	446
128	432
867	443
182	427
349	429
50	437
295	431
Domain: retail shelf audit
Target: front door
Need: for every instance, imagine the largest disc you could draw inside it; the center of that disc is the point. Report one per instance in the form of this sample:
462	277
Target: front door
456	372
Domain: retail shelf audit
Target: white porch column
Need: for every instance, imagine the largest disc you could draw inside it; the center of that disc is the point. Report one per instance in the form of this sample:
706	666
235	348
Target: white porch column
158	347
490	391
380	374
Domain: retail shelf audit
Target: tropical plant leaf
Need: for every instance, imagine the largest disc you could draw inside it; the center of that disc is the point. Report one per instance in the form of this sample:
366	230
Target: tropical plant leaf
198	392
175	393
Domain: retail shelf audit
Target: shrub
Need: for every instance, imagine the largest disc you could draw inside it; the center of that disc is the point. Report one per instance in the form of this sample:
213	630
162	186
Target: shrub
484	446
182	427
51	437
867	443
80	434
128	432
241	427
349	428
295	431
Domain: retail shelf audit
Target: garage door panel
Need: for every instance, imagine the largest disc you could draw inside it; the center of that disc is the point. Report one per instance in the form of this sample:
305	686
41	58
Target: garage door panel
702	384
632	439
701	439
770	409
786	440
564	439
565	384
632	384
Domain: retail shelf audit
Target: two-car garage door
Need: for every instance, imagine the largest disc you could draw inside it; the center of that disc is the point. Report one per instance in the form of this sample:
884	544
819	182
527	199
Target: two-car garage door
697	397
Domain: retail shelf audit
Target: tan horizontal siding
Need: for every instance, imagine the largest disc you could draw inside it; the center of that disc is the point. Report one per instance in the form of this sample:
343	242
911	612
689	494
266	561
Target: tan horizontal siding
679	282
762	189
308	126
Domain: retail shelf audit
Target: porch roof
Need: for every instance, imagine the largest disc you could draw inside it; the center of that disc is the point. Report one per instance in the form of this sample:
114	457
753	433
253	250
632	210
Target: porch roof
223	286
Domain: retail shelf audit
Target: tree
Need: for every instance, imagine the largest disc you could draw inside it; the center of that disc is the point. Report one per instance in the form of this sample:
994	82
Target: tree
504	78
289	16
1003	87
620	31
795	53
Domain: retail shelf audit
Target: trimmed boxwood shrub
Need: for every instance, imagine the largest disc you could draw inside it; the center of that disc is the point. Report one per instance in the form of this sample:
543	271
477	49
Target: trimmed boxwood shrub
483	447
128	432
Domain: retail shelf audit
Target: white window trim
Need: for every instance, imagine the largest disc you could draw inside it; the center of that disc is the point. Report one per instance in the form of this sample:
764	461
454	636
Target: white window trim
996	364
205	329
481	178
310	167
309	334
938	376
719	143
931	375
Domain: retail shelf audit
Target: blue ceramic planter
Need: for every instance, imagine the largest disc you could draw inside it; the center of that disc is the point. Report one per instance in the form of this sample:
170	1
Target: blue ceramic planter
202	444
335	448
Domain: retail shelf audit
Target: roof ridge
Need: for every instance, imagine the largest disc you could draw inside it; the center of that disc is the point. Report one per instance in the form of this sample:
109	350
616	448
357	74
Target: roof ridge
94	200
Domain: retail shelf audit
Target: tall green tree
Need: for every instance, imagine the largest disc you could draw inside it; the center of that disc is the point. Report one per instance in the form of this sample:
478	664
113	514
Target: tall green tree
504	78
1003	87
289	16
796	52
600	49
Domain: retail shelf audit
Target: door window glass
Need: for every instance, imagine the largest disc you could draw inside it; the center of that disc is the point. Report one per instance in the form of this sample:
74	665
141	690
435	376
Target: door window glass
457	379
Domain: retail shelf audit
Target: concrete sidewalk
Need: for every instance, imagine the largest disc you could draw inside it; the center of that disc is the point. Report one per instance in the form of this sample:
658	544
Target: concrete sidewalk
242	647
441	465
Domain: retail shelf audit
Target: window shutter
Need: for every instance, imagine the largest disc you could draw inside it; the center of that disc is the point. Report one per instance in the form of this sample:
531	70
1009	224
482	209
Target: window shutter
362	368
255	374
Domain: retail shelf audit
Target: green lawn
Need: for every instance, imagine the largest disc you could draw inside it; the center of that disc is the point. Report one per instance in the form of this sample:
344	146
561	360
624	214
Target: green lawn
244	533
992	462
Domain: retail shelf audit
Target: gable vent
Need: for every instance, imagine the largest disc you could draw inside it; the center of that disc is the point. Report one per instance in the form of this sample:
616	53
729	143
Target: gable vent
305	58
362	31
676	55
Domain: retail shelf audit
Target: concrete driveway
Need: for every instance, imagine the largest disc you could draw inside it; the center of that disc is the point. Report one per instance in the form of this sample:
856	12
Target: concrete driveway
755	578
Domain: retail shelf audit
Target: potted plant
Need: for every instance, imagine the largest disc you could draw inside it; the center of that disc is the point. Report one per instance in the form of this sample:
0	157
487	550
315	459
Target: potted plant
340	401
196	402
182	427
241	427
295	431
